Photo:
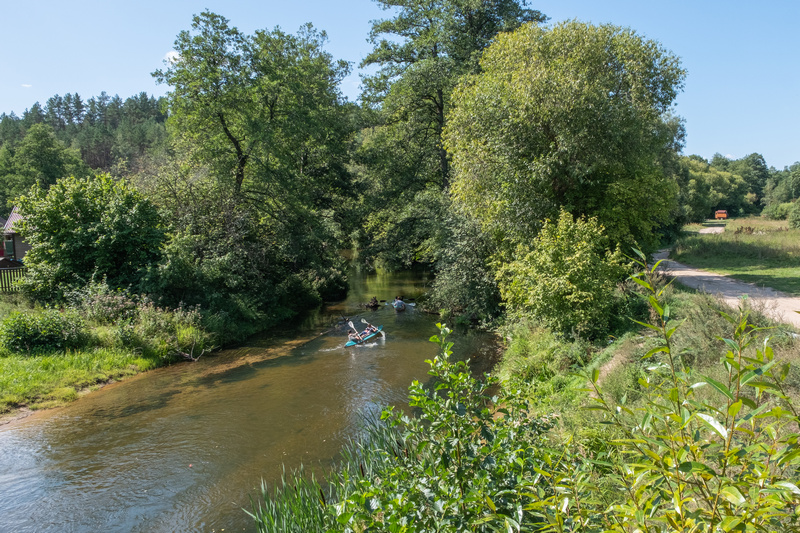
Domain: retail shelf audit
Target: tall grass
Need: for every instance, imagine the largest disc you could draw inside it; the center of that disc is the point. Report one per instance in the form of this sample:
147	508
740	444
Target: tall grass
300	503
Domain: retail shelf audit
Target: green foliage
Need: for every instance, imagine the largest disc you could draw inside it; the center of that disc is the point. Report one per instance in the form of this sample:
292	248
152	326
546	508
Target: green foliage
705	188
259	110
574	117
794	216
777	211
38	158
84	229
400	162
455	466
49	330
539	362
100	304
782	185
465	286
691	460
566	280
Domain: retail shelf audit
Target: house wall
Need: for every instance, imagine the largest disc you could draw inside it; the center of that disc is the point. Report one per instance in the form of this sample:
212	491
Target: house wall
20	247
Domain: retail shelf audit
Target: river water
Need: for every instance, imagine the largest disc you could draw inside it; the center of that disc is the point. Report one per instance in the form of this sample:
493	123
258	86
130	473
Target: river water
183	448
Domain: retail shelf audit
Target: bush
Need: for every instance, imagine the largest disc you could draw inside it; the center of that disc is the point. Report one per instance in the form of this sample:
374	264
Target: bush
460	465
777	211
46	331
568	279
794	215
84	229
102	305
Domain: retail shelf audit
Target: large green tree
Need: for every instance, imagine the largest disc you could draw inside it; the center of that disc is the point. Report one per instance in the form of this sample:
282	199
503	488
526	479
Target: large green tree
259	188
575	117
421	52
39	158
260	110
83	229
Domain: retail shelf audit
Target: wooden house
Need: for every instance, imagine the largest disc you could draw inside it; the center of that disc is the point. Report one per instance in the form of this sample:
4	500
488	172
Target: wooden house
13	245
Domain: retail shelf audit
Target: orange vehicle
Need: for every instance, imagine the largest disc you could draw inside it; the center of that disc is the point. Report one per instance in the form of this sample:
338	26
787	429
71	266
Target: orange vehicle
721	214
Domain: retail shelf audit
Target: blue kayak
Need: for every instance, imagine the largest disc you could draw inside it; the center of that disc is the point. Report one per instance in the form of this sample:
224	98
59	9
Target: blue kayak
365	339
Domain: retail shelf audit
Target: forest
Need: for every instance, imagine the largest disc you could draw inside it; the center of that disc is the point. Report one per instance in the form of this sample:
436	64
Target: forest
533	168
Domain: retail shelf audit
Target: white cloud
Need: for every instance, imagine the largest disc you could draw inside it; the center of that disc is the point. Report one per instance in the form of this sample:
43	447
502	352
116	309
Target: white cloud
171	57
27	85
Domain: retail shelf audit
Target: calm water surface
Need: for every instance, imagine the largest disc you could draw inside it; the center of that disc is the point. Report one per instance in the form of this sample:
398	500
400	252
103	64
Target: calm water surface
182	448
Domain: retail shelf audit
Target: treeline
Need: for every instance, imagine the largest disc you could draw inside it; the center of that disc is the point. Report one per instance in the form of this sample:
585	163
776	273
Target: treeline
73	137
456	158
743	187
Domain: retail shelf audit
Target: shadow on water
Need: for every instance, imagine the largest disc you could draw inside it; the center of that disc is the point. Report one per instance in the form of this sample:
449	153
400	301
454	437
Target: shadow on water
182	448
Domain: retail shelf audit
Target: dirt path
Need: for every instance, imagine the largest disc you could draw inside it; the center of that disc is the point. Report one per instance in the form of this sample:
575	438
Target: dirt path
776	305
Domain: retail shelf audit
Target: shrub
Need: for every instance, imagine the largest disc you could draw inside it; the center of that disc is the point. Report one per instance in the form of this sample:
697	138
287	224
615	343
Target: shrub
567	280
460	465
46	331
102	305
698	454
777	211
794	215
83	229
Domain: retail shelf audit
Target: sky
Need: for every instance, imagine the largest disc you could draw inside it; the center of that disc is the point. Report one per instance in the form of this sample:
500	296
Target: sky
742	91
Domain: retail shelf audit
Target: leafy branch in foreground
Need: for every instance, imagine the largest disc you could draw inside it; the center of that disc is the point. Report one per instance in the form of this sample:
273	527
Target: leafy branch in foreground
703	452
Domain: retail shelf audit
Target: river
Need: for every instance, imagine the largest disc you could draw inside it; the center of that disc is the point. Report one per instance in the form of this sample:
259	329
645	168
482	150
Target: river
182	448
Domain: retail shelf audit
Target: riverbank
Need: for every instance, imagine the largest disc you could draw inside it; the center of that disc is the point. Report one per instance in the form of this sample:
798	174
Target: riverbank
50	357
573	434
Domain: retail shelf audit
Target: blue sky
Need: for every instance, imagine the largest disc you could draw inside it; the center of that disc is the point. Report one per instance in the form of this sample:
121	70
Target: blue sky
742	92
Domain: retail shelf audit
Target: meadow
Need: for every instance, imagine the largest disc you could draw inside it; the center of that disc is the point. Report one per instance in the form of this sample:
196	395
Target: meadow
754	250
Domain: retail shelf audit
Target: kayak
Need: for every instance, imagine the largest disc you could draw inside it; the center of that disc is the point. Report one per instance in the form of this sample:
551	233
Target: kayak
399	305
365	339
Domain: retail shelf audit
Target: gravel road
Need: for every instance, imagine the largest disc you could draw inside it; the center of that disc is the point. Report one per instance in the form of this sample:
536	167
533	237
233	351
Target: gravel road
777	305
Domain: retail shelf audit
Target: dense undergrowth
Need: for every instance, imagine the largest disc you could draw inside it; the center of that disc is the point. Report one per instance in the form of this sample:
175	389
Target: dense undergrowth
48	355
686	423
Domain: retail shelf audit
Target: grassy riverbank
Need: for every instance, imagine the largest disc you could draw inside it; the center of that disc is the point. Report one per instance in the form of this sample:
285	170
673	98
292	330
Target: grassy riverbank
49	356
550	371
754	250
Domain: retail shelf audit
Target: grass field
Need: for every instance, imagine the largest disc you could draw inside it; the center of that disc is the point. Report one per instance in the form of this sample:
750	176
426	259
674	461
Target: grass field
754	250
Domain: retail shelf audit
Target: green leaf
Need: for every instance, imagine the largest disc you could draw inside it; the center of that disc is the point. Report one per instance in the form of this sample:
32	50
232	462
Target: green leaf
694	467
788	486
655	351
714	424
734	409
722	389
732	494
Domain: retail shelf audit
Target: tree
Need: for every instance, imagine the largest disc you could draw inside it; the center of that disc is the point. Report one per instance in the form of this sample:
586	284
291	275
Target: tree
705	188
575	117
401	161
439	40
257	109
39	158
82	229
